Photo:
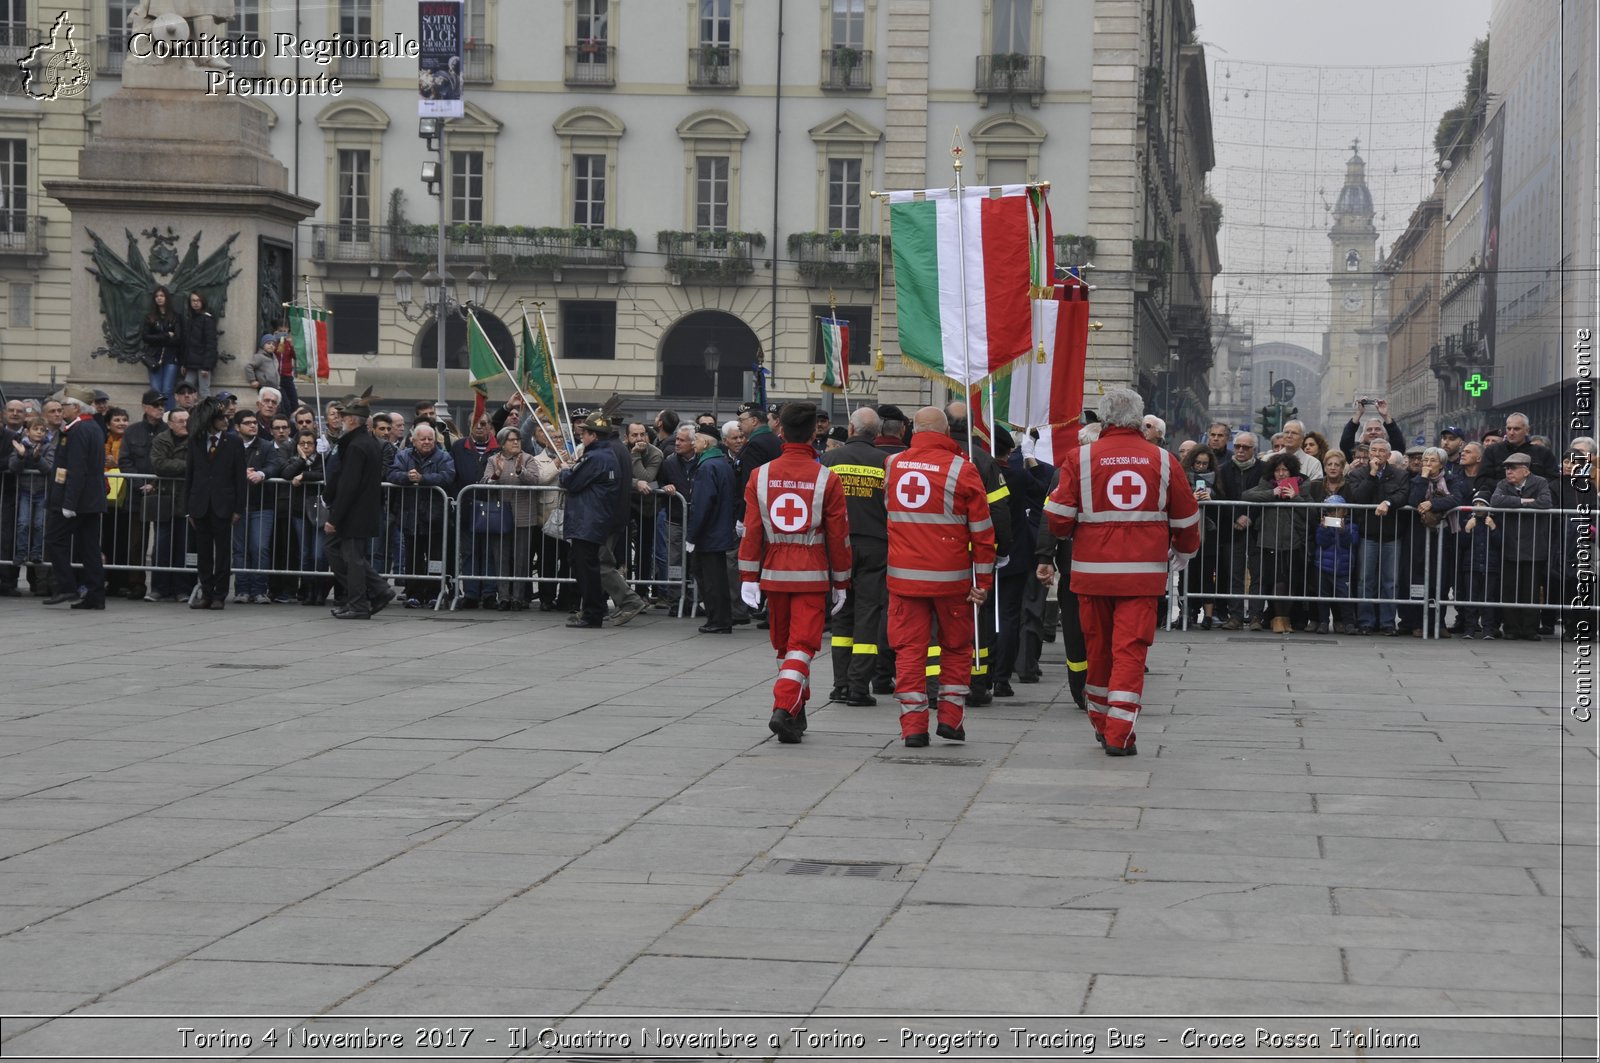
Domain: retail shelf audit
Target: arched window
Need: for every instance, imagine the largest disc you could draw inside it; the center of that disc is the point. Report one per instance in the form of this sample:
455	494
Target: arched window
1352	261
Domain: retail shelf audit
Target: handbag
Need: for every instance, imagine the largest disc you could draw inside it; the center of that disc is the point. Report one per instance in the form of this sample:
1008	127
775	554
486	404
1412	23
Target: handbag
492	517
116	489
555	525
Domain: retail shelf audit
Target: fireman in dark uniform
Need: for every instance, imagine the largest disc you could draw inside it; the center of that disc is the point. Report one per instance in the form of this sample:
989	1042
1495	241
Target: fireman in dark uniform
859	465
994	484
892	426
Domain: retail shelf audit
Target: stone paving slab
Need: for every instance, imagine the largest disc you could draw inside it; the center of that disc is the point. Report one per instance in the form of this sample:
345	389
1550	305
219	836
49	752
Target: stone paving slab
465	814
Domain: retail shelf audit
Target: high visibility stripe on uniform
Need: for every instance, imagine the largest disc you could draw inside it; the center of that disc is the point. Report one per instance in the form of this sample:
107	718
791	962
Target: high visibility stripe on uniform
930	576
820	576
913	697
976	526
1121	714
1077	666
1123	516
761	500
1060	509
818	498
797	655
934	651
1166	480
1127	697
1185	522
951	479
808	538
841	577
984	568
1085	483
791	674
749	566
1095	694
998	493
843	640
954	689
1118	568
899	517
980	669
983	651
930	670
858	470
864	647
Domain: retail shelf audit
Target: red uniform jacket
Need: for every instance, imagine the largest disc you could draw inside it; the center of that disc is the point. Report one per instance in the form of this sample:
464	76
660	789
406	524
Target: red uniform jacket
1126	505
940	534
796	534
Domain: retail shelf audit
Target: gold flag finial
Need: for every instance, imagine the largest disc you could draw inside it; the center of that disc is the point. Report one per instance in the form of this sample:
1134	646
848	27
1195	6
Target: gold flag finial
877	362
956	150
1041	355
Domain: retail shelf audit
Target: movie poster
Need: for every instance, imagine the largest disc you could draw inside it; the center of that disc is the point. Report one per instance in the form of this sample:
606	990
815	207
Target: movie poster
442	61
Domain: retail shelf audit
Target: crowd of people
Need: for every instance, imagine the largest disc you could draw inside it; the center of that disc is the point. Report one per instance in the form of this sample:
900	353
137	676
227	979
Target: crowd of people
1298	534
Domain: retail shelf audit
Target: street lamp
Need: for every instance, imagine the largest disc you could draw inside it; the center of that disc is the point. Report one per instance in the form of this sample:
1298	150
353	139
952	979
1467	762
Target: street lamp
711	358
438	285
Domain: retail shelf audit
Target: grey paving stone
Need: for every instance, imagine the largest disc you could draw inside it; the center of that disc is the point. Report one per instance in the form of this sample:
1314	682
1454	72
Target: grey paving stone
910	989
345	939
937	887
235	987
684	983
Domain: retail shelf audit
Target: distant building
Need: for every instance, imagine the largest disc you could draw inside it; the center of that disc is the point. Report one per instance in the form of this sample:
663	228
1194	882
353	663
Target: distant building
1354	345
1412	327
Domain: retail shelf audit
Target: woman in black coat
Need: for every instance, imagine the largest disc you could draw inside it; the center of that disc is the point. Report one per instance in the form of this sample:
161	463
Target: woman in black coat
199	345
163	345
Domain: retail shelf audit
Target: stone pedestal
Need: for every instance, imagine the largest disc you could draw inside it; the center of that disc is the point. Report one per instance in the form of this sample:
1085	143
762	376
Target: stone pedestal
181	165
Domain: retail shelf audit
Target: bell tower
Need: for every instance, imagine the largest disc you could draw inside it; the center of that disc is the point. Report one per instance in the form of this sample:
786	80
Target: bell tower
1352	277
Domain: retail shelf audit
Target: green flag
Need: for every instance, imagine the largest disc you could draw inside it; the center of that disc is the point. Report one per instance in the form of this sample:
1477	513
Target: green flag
536	371
483	362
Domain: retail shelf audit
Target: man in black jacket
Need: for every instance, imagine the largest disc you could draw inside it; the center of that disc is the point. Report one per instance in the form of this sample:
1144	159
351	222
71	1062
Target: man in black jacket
1379	426
355	506
1541	459
1380	484
215	489
75	503
860	467
1234	477
252	536
761	443
994	483
135	458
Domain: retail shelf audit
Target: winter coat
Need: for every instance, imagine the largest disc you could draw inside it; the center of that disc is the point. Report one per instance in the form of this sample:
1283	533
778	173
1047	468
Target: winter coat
1391	485
526	471
78	481
303	497
163	340
1232	483
1336	548
1526	536
1029	488
716	504
264	457
679	472
261	370
355	486
200	343
594	486
417	506
469	461
169	459
1457	493
1282	523
33	467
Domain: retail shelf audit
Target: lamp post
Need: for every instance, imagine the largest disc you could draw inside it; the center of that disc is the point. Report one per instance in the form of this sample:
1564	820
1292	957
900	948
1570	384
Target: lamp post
438	284
711	358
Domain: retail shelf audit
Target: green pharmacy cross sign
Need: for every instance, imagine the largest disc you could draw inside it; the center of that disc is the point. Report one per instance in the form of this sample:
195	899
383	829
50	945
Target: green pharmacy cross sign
1476	385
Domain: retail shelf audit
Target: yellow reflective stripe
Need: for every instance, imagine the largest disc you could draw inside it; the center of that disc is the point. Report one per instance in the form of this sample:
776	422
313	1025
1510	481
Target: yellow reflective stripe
998	493
865	647
931	670
933	651
980	669
1077	666
843	640
858	470
983	651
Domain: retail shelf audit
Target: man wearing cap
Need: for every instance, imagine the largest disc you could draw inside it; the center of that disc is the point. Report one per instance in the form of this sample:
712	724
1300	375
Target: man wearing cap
354	495
75	503
188	396
709	534
796	549
858	629
102	403
1525	538
135	459
761	444
594	486
215	489
1451	440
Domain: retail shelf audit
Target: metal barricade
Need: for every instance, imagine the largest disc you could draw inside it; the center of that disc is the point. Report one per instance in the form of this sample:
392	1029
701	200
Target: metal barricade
1510	563
504	546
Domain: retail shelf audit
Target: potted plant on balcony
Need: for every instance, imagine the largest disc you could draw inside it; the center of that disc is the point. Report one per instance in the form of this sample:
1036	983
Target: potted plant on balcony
715	64
845	61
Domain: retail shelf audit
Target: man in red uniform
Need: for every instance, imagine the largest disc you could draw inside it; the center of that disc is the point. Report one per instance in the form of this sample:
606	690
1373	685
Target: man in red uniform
941	562
1127	506
796	548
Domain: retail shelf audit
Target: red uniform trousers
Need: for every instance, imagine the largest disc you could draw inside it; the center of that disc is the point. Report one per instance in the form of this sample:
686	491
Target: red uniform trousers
909	623
795	626
1117	633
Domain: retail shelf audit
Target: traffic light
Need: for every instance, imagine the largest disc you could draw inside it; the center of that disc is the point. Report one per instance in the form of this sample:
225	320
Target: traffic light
1288	415
1271	418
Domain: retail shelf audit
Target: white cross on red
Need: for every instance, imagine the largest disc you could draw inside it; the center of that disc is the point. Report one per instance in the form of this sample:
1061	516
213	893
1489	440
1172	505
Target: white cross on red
1126	489
789	511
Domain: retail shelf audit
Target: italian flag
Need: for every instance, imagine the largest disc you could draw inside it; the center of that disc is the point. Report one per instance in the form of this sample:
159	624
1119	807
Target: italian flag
1045	394
964	272
308	327
835	354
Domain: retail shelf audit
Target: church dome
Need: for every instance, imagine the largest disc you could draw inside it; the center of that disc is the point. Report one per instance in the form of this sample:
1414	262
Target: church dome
1354	197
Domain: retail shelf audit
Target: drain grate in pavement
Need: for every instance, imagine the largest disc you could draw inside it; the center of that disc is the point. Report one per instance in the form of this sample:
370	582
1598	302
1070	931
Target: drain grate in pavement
249	667
834	868
946	762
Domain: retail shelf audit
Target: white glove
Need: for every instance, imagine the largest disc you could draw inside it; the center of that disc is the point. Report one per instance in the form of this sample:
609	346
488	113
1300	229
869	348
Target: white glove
1030	445
322	444
738	527
838	602
1177	562
750	594
1001	562
688	548
69	513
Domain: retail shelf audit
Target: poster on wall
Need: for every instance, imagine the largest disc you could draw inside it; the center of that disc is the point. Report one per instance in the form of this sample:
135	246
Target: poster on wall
442	59
1493	148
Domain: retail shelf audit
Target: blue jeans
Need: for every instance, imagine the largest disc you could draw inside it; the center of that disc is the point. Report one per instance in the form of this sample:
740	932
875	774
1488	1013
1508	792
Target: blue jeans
313	546
30	528
164	380
251	538
201	381
1380	565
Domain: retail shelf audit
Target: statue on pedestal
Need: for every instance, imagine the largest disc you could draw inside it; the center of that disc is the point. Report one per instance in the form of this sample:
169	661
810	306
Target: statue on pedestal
174	22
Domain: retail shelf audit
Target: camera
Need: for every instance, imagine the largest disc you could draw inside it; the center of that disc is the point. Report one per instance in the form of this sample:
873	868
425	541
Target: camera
1333	522
1204	479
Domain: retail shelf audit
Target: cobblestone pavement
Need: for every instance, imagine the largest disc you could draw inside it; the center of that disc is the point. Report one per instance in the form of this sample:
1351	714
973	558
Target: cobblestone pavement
265	811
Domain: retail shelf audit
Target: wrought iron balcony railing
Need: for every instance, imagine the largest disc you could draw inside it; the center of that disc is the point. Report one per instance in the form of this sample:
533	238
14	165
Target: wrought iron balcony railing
591	65
847	70
713	66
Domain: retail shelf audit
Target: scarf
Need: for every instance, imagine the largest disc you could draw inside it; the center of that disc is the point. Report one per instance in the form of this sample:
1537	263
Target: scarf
1243	465
1438	487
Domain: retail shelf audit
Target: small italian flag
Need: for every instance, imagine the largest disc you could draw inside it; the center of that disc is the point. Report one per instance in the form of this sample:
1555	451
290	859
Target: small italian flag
835	354
1045	396
964	272
308	327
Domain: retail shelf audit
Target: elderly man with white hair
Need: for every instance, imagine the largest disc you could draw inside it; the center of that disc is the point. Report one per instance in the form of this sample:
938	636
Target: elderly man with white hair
75	502
1154	429
1132	516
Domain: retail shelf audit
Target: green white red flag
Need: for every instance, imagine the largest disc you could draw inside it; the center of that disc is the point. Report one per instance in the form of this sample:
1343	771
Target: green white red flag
965	271
835	354
308	327
1045	395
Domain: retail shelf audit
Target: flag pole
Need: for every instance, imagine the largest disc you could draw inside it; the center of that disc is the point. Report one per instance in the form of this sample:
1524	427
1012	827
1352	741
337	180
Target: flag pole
558	439
561	392
956	152
316	381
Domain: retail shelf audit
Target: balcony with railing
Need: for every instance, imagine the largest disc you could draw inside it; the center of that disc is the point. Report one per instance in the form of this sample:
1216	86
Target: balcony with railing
713	66
505	248
480	64
710	257
849	259
250	66
847	70
110	51
591	65
22	236
17	40
356	68
1010	74
1074	250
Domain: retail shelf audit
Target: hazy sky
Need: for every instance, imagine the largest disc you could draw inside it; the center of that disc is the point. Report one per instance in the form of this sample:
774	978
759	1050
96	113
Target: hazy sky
1347	33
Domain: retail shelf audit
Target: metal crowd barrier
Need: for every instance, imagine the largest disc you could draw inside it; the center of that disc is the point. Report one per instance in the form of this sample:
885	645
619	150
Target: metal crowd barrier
1408	577
502	548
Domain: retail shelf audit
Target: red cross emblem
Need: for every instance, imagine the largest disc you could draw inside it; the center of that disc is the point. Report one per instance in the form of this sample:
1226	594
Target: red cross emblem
790	513
1126	489
912	490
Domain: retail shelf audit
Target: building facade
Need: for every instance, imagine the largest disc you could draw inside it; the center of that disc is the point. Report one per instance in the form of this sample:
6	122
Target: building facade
1412	327
673	178
1353	345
